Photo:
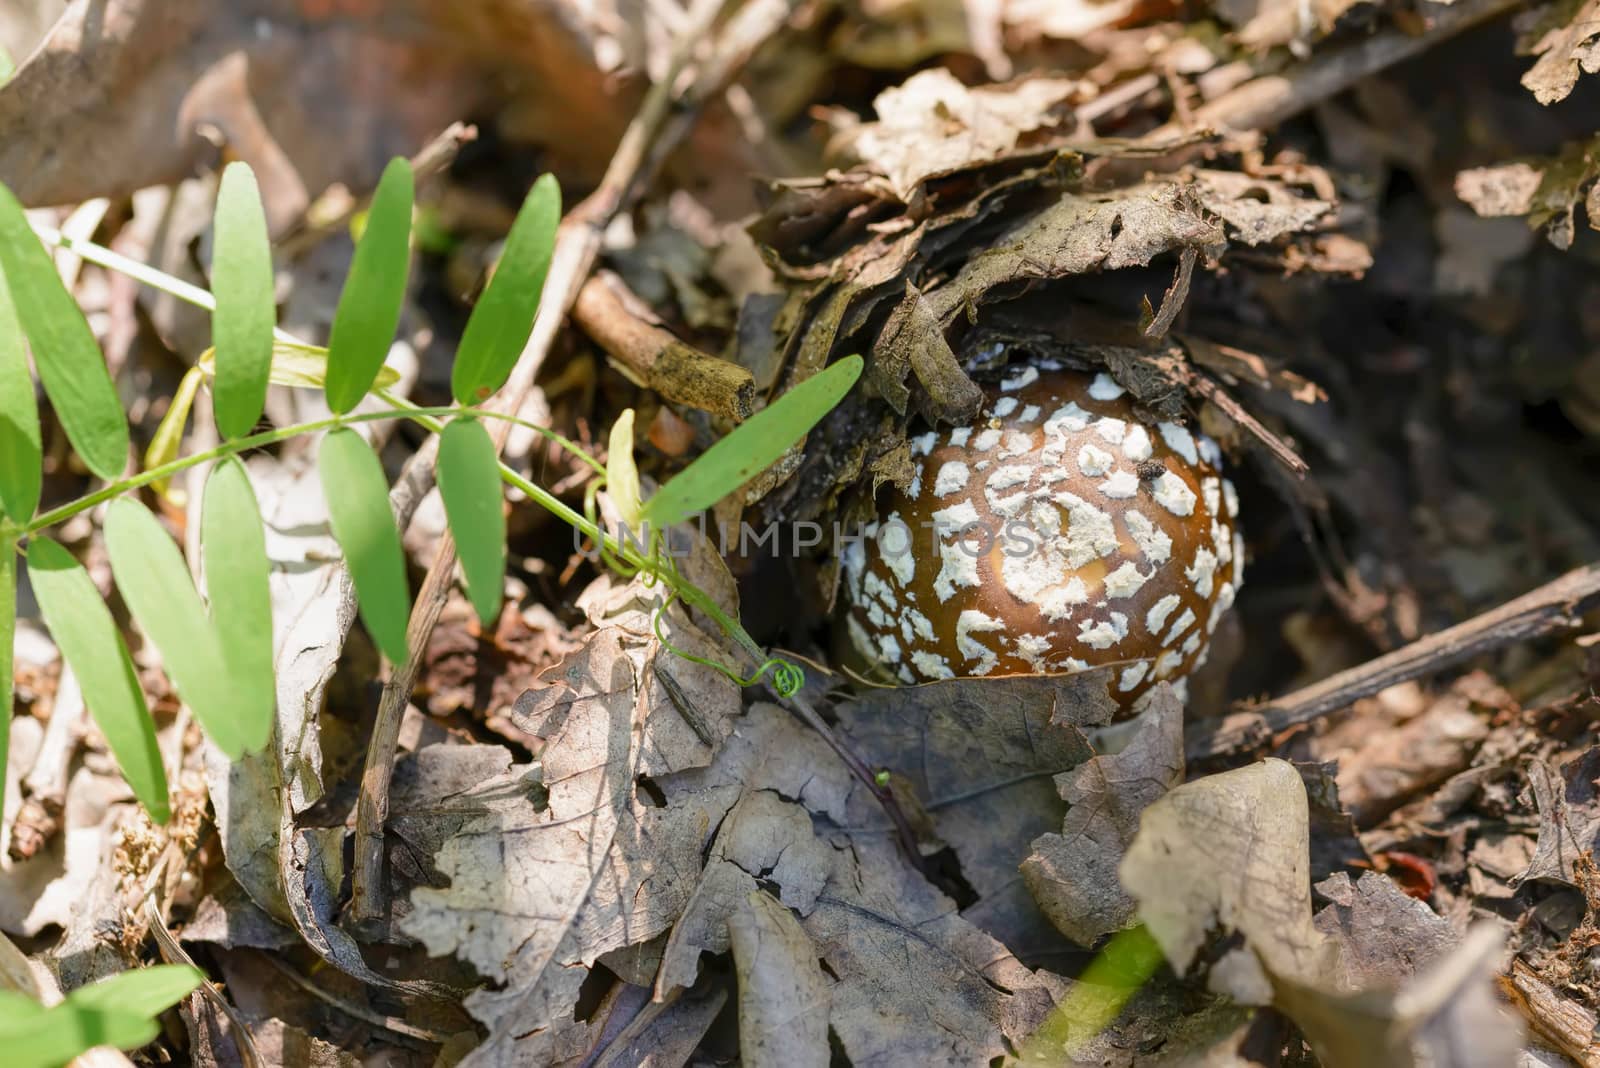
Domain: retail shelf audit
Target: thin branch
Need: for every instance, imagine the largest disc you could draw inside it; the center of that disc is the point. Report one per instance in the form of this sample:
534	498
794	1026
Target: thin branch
1555	606
609	312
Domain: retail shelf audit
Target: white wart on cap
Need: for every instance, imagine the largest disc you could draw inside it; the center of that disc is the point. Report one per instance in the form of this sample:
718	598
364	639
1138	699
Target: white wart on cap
1059	532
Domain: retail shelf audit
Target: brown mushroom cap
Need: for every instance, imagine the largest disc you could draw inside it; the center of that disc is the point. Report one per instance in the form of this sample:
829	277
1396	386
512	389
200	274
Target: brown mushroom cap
1058	532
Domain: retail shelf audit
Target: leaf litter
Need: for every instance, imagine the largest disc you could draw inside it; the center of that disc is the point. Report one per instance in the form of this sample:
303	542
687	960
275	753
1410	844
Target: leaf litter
636	861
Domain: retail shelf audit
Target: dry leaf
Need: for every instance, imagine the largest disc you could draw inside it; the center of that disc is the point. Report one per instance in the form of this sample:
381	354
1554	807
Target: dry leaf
783	995
1565	40
1569	816
1073	875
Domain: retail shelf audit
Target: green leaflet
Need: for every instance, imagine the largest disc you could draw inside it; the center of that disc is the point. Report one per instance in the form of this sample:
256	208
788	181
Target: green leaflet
622	474
503	318
753	446
87	637
119	1012
20	457
233	550
358	505
241	281
369	306
156	587
64	350
469	482
8	634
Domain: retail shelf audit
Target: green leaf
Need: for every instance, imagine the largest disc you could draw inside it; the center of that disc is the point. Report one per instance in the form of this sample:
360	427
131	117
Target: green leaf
64	350
8	634
369	306
622	474
21	460
469	482
241	280
156	587
87	636
141	991
233	550
358	505
119	1012
503	318
753	445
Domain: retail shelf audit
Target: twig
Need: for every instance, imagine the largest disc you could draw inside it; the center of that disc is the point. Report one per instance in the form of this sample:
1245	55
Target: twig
44	788
620	323
649	138
1555	606
1264	102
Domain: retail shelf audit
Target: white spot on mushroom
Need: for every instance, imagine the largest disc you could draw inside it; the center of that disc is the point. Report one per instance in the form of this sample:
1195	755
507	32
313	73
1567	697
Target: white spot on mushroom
1024	376
1068	419
1230	498
1179	627
1089	534
1221	542
905	676
931	666
1209	452
1029	414
1190	644
1018	443
958	563
1132	676
1167	663
952	477
1105	388
1005	406
894	540
960	435
1125	581
874	586
1205	566
1211	493
1006	477
1238	559
971	620
1156	618
1173	494
915	489
1136	444
855	557
1121	486
1094	461
1110	430
859	638
1153	542
1032	648
922	444
1072	664
986	440
1097	634
1219	607
1180	441
920	623
877	616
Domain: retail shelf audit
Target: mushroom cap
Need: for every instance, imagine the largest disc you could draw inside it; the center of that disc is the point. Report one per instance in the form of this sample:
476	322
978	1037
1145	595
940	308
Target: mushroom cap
1058	532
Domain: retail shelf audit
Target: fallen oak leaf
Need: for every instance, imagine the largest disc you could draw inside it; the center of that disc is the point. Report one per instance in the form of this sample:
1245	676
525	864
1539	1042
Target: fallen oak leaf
783	995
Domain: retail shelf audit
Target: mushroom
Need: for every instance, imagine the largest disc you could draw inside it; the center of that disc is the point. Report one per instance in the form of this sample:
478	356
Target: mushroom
1063	530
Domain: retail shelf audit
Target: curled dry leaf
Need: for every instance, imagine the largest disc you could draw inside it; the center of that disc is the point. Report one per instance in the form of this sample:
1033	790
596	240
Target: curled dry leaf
1073	875
1546	189
1569	816
783	995
1567	41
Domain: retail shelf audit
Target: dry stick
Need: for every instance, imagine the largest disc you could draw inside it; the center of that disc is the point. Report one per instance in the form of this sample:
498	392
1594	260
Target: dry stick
1268	100
44	787
644	144
609	312
1555	606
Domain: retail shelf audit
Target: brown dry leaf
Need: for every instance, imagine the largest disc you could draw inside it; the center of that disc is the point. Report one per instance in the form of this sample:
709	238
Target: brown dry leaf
783	995
550	865
1564	37
1229	852
1073	875
1569	816
1546	190
1257	212
978	755
1385	936
931	125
